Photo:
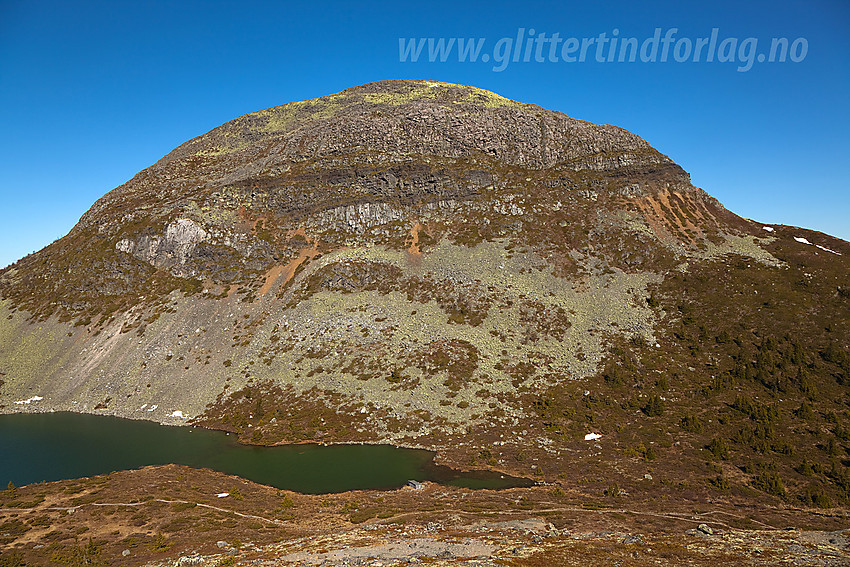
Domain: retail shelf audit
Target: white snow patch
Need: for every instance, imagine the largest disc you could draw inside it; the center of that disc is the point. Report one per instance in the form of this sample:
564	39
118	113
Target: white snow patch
592	437
143	407
223	494
768	228
828	250
30	400
153	407
178	413
824	248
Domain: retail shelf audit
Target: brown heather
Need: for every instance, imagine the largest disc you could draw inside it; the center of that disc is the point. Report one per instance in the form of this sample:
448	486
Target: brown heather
433	265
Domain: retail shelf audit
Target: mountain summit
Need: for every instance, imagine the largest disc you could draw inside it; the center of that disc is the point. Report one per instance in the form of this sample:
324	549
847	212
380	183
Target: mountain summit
341	165
429	264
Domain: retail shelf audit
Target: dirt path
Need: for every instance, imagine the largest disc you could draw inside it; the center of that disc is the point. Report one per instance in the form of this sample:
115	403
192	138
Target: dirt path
136	504
693	518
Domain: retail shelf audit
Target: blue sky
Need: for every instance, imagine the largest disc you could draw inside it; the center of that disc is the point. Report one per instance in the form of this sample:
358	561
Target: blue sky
93	92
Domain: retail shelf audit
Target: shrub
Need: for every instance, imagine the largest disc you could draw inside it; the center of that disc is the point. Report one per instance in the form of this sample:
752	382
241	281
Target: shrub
642	451
805	468
815	496
719	448
160	543
12	559
770	482
691	423
178	507
614	376
804	411
653	407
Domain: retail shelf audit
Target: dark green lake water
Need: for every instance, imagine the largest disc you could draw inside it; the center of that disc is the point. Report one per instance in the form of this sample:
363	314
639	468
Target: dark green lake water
56	446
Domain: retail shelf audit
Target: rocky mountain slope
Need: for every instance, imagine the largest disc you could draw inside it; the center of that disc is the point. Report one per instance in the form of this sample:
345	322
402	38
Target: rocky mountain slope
433	265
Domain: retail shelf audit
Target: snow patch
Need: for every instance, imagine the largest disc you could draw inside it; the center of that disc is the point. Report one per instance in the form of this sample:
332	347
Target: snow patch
153	407
768	228
30	400
592	437
828	250
178	413
824	248
223	494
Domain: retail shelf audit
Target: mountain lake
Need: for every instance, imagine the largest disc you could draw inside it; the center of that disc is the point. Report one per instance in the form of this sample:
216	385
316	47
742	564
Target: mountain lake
55	446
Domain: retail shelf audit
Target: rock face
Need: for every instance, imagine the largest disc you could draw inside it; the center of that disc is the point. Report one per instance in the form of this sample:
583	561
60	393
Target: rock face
173	251
421	263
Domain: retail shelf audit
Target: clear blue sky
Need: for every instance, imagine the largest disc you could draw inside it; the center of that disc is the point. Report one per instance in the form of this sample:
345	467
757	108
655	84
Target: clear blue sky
93	92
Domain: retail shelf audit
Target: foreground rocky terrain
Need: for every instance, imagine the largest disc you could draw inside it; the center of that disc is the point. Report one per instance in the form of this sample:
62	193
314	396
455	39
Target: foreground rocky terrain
169	516
433	265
